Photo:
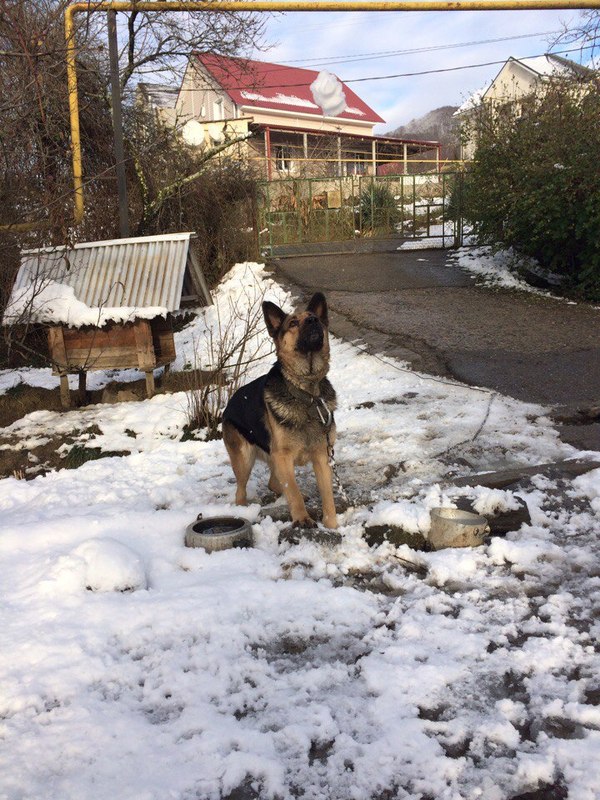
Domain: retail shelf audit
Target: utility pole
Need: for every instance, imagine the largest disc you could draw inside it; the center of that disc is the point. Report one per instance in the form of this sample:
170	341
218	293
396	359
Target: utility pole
115	94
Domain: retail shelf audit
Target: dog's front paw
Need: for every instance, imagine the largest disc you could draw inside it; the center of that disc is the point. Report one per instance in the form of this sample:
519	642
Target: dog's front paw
331	522
305	522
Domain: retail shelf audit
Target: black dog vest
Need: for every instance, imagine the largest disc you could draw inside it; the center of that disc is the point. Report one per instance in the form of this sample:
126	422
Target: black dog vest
246	409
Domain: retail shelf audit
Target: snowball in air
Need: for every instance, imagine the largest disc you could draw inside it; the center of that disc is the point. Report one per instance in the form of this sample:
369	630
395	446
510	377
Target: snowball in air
328	94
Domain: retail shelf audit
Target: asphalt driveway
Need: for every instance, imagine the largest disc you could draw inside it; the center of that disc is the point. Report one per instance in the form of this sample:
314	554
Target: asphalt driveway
418	305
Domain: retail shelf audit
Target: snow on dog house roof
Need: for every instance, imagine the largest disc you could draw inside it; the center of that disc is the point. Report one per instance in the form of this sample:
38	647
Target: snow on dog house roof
259	84
93	283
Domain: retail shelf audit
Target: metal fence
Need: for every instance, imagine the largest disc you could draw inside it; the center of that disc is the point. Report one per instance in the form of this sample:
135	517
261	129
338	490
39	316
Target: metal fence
403	207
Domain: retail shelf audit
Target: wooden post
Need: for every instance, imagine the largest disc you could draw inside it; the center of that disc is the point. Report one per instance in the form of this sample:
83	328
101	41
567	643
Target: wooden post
56	345
82	391
268	153
305	151
197	275
65	394
145	352
58	354
150	385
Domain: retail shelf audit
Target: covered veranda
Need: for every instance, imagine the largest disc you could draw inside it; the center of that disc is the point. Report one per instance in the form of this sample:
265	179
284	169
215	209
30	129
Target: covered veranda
282	152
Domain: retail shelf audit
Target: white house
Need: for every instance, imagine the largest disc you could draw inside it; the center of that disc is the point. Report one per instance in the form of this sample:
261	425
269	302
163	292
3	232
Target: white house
517	79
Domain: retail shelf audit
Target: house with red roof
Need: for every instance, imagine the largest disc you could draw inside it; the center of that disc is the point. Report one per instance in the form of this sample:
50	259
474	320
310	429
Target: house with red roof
286	132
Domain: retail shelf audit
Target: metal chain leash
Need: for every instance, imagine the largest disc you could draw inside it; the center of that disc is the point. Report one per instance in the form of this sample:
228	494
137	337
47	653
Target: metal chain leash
336	477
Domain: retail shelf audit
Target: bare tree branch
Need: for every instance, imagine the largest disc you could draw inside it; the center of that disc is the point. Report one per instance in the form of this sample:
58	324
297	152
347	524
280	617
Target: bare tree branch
153	208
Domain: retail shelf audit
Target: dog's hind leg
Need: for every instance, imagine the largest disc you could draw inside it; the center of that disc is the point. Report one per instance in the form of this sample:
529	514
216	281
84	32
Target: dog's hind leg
274	484
242	455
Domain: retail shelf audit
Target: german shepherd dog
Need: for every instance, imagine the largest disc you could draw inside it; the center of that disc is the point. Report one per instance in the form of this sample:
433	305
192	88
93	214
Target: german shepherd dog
286	416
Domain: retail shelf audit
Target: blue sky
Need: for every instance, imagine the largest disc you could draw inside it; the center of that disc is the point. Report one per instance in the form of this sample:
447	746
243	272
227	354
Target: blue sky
310	39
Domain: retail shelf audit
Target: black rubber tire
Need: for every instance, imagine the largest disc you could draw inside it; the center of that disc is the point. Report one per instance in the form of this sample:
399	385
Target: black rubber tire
219	533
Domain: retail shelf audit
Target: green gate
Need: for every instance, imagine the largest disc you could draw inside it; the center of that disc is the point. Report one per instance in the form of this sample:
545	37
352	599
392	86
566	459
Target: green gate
399	207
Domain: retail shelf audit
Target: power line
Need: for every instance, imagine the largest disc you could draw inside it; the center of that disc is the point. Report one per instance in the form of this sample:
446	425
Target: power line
259	85
463	66
354	57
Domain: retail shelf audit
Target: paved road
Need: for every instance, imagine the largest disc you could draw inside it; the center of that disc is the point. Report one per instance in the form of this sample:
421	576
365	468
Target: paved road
419	306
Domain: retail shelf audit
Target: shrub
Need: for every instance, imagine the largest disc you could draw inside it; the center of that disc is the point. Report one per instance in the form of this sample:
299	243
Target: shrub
534	182
378	208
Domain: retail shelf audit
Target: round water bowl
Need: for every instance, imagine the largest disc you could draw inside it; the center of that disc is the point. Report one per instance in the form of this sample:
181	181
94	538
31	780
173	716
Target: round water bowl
219	533
452	527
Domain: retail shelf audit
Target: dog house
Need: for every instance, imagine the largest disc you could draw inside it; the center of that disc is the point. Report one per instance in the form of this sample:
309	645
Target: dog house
108	304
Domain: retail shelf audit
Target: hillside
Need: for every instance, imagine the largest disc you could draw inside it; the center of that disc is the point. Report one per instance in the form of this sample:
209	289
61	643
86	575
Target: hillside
438	125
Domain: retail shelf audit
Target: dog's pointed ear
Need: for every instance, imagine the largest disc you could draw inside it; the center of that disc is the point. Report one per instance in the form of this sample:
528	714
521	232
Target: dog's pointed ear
318	307
274	317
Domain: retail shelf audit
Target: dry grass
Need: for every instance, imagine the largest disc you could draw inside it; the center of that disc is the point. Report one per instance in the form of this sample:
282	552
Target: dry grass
23	399
26	463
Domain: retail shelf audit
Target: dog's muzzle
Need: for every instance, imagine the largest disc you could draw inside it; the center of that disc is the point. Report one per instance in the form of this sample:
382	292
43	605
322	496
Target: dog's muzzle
311	336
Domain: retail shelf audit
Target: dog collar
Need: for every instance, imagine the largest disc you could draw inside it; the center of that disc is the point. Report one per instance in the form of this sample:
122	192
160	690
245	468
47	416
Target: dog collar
323	412
317	407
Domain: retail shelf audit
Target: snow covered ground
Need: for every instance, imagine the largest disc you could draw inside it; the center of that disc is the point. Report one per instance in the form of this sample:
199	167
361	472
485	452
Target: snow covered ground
306	670
498	268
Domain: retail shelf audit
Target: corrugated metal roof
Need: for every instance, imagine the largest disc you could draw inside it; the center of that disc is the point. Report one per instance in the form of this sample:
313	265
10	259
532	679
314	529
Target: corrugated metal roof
144	272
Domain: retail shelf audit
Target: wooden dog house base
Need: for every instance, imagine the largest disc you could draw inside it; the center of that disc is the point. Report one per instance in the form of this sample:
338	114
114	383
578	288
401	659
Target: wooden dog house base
143	344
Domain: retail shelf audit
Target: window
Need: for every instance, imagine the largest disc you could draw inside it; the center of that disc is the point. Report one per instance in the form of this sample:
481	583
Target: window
283	157
358	164
218	108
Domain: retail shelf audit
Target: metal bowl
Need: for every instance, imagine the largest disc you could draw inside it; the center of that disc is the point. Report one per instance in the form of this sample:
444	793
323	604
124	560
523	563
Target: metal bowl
218	533
452	527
